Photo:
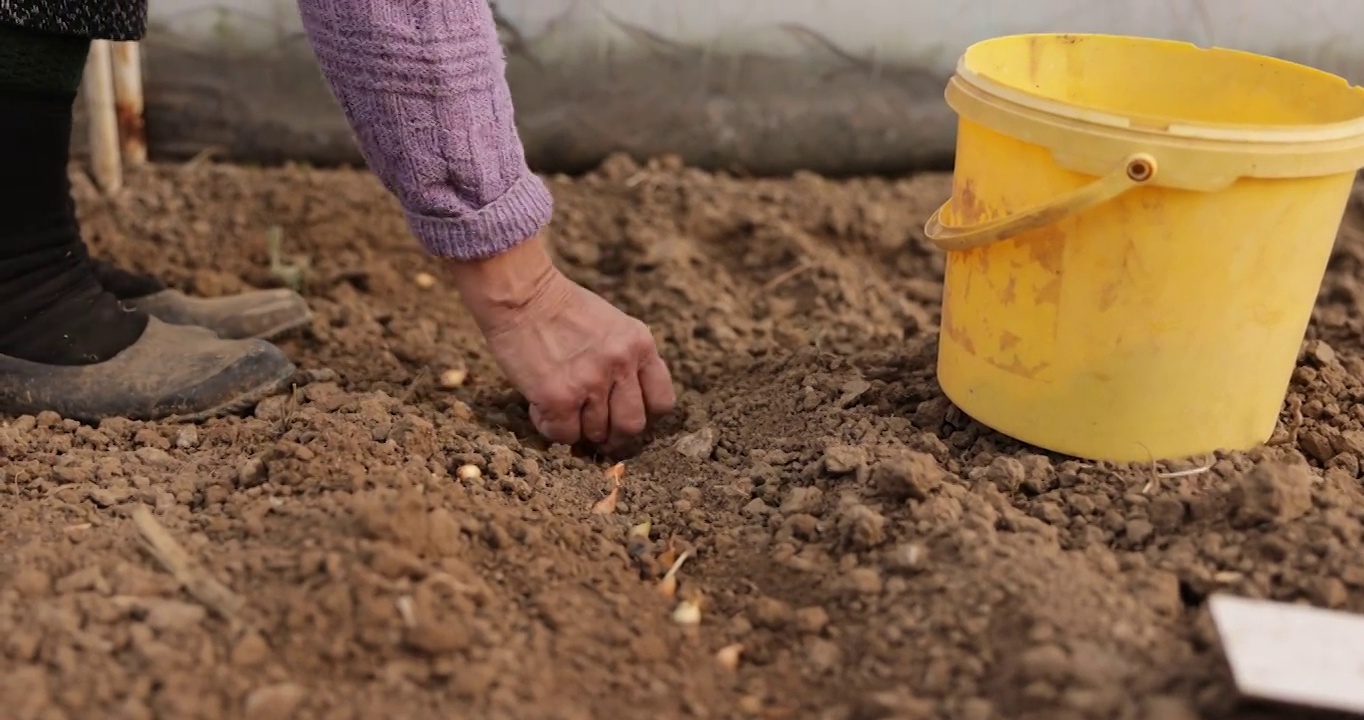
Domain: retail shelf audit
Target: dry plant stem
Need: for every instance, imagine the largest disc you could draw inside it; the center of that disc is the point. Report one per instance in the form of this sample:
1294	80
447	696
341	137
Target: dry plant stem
1202	468
677	564
202	157
787	275
185	569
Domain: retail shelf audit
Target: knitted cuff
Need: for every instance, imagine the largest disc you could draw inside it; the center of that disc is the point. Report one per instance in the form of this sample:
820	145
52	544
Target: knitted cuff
499	226
41	63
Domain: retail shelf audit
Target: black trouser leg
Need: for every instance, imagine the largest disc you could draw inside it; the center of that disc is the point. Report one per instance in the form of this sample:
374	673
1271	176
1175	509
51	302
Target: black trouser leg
53	309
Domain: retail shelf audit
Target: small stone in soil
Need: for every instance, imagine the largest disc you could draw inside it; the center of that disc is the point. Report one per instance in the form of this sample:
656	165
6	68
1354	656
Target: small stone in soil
1321	352
851	391
698	445
187	438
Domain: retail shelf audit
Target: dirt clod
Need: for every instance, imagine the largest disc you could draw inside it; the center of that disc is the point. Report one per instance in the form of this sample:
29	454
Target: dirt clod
908	476
811	619
862	527
843	459
274	702
1272	493
770	613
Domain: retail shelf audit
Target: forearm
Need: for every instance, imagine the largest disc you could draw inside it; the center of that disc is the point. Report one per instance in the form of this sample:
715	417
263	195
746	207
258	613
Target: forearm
423	85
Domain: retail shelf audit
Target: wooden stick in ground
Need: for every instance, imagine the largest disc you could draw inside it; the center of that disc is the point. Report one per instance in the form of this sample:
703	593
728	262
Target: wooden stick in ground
128	103
191	575
106	163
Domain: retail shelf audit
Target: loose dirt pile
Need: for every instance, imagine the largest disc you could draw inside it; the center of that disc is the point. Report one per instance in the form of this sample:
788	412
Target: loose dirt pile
875	553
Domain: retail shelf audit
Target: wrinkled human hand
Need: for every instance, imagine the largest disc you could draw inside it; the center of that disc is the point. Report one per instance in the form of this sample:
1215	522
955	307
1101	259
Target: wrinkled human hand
588	370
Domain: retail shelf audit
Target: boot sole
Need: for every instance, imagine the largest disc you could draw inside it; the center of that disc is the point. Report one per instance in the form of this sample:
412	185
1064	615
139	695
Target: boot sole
241	403
190	375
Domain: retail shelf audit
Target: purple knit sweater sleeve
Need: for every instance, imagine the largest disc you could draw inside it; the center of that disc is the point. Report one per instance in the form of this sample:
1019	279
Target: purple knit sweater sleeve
423	85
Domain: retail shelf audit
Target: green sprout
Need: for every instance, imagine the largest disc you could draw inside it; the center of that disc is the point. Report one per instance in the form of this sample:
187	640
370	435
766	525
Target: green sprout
291	271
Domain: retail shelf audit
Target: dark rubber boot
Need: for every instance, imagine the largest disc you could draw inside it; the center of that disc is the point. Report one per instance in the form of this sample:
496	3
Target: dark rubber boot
66	343
171	372
261	314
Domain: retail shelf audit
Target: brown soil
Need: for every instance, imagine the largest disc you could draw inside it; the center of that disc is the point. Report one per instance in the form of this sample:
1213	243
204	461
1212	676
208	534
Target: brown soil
877	554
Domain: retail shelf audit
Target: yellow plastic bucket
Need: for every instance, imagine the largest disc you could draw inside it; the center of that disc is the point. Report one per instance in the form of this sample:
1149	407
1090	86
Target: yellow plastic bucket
1136	236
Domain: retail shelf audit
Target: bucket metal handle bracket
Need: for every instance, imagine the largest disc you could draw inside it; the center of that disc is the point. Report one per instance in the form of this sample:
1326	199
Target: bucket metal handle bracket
1137	170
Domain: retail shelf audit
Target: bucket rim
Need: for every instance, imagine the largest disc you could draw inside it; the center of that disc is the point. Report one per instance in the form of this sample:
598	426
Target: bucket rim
1229	132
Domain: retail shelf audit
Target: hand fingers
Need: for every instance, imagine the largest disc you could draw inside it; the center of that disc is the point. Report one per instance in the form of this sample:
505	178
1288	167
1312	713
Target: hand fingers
657	385
628	416
559	427
597	417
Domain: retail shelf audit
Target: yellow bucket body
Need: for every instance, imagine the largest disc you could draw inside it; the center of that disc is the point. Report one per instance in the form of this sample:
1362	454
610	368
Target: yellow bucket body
1136	237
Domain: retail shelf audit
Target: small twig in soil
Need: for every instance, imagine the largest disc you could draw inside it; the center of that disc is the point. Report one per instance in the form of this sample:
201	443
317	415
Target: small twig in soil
777	281
185	569
415	385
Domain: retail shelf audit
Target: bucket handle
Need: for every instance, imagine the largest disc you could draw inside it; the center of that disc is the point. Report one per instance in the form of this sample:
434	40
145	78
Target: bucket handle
1135	171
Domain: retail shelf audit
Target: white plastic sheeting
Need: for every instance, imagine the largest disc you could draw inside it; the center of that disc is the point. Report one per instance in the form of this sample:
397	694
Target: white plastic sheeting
835	86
